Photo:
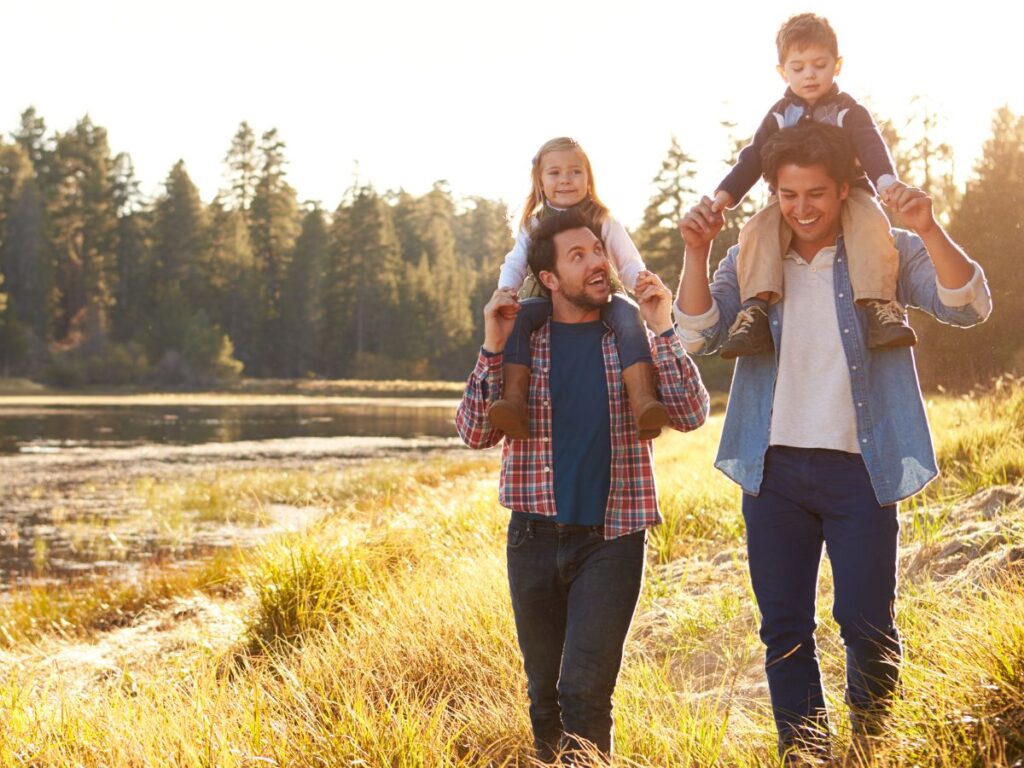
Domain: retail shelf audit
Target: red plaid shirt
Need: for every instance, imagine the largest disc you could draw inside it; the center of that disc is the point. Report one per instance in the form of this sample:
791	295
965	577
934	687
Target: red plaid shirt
527	475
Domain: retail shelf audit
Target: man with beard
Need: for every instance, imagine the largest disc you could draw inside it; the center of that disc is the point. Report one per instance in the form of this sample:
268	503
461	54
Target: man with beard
581	487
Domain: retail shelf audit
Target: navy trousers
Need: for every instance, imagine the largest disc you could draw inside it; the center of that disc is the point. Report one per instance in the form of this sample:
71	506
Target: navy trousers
810	497
573	596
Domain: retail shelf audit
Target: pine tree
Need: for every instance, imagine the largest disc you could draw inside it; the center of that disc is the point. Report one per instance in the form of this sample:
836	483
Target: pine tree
83	219
274	222
242	172
988	226
658	238
302	300
180	274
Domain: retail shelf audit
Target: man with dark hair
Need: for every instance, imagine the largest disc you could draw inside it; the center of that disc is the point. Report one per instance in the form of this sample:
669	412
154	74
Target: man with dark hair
581	487
823	434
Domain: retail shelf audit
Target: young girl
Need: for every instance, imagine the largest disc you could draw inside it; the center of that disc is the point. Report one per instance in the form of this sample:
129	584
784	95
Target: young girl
562	179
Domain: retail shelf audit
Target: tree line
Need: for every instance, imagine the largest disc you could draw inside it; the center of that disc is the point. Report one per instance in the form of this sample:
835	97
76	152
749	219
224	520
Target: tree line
99	285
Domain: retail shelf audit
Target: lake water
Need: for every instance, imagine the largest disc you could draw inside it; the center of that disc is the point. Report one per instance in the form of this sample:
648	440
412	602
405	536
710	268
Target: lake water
73	479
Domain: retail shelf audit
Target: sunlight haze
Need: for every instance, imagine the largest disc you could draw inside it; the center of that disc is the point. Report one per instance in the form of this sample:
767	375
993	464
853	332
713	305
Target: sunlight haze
466	92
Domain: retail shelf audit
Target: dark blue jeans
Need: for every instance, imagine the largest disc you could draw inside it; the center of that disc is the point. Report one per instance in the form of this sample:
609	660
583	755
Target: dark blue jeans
809	497
573	596
621	315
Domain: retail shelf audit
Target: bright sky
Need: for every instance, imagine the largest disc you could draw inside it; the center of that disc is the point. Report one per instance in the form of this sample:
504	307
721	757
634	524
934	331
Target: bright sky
466	90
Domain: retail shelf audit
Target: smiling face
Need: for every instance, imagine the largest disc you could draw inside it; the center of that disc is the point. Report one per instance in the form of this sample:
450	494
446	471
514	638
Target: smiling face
811	202
810	71
580	284
563	177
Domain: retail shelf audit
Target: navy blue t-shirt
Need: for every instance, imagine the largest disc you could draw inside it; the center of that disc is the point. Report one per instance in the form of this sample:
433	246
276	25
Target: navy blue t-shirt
580	423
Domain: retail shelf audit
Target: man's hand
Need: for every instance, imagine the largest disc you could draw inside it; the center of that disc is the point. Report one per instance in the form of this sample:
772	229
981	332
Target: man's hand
655	301
499	318
914	208
700	225
721	201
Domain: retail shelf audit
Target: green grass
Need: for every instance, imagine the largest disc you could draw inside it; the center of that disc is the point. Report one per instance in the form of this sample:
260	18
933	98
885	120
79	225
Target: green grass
382	635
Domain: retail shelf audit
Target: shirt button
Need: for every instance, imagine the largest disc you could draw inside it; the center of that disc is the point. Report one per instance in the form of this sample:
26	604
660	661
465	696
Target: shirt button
813	269
547	468
864	440
846	330
853	367
544	439
547	403
859	405
840	295
775	322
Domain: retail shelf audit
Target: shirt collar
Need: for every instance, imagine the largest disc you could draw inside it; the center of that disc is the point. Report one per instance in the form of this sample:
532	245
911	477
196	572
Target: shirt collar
822	258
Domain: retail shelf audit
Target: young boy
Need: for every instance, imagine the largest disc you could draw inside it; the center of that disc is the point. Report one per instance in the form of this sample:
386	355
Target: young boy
809	62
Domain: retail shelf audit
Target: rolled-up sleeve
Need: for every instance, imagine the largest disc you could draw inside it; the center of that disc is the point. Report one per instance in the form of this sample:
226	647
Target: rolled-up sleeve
974	294
679	384
483	388
689	327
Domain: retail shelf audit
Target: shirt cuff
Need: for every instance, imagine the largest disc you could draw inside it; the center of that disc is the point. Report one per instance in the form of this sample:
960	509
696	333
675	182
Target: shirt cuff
489	363
696	322
974	293
885	181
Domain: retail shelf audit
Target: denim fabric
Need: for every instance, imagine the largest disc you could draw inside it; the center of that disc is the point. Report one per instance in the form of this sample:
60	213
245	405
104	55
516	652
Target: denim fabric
573	596
811	496
891	422
621	315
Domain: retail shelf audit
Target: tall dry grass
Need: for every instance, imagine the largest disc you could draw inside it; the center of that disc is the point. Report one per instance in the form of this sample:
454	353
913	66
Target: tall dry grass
382	636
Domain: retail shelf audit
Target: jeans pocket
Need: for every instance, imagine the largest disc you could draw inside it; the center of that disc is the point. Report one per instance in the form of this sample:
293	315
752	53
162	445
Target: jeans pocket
517	534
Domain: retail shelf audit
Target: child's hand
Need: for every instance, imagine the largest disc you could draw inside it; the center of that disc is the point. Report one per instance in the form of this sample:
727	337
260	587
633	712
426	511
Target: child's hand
700	225
721	201
888	193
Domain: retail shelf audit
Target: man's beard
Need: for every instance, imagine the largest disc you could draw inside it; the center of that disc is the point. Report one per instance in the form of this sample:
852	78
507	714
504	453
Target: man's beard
583	301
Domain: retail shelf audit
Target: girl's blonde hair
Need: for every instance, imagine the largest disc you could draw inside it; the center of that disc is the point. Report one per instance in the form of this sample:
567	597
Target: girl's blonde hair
535	200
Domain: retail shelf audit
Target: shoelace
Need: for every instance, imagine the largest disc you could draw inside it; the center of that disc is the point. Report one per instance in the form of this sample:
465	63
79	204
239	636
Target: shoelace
744	319
889	312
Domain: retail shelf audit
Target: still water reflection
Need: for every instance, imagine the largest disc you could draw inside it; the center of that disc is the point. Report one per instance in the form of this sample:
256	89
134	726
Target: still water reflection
26	430
73	480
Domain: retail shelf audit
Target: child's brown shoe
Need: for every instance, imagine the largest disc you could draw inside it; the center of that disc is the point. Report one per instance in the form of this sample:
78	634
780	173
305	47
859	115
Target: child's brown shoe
511	414
648	411
749	333
887	325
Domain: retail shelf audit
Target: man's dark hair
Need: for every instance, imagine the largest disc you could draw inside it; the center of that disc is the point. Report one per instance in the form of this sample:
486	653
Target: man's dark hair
541	253
806	145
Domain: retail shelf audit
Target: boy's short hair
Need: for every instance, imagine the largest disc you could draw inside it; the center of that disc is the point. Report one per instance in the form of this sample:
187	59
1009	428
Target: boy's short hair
541	253
803	30
810	144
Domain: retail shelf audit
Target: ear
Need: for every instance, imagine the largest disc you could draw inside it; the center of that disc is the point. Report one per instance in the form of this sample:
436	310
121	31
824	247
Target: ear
844	190
839	66
782	73
549	280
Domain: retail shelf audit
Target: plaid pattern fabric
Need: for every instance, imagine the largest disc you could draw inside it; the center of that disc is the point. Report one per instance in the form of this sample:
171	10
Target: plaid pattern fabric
526	482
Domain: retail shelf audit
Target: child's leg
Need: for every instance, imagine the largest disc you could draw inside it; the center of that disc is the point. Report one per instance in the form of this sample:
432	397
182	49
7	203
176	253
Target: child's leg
624	318
511	413
533	313
874	268
764	240
873	259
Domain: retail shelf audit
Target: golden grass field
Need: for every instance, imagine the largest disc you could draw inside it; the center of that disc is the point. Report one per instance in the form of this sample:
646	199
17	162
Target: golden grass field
382	634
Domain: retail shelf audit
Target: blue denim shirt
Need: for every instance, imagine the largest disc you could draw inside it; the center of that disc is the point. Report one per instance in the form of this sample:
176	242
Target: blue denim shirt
891	423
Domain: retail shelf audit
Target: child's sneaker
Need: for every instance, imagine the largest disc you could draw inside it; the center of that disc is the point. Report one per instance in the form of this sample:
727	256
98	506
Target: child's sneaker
511	414
749	333
887	325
